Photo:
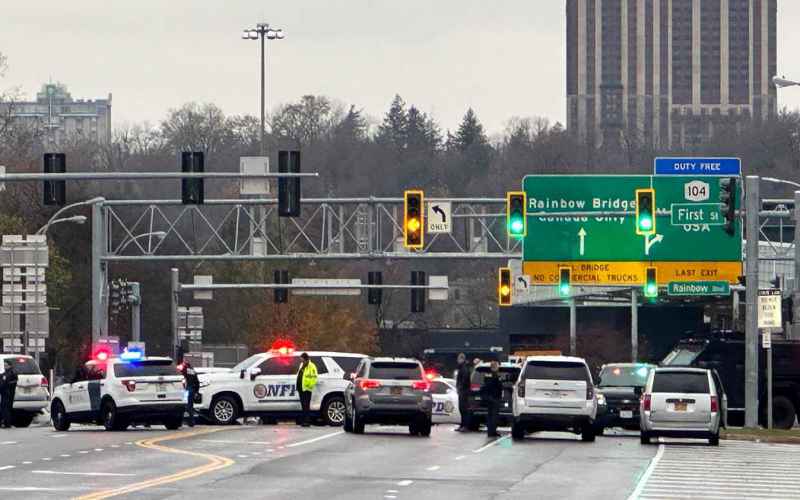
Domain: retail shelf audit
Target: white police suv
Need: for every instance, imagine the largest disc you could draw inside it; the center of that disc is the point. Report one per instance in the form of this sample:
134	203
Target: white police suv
118	392
263	386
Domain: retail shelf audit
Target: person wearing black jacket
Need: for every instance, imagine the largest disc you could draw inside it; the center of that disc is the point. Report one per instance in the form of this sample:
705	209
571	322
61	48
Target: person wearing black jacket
463	387
8	389
492	394
192	387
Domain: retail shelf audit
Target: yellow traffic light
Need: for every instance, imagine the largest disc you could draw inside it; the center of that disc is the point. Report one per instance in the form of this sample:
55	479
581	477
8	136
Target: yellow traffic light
413	219
504	286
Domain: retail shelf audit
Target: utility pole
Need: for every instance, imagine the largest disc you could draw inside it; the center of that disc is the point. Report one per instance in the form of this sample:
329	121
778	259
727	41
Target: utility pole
794	333
174	290
753	202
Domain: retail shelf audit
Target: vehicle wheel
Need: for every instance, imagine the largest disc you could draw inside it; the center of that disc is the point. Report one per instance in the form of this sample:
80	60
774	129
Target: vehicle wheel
784	413
517	431
714	440
412	429
358	423
333	411
22	419
59	417
645	438
587	434
224	410
109	416
174	423
424	426
599	430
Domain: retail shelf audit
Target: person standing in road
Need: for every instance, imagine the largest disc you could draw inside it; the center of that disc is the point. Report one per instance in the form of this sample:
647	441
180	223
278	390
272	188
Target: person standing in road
306	381
463	386
492	394
8	389
192	384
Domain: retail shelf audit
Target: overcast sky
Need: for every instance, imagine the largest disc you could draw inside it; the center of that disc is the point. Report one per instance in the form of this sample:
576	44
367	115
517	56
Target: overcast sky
503	58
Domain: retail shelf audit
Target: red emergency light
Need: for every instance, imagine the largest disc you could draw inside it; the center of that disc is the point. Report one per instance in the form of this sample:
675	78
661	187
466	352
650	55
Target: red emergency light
101	354
282	347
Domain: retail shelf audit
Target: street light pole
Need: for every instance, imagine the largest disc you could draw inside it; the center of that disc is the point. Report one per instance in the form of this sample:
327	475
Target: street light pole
263	32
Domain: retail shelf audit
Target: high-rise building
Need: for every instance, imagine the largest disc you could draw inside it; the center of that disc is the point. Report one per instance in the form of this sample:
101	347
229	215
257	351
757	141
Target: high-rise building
61	116
668	72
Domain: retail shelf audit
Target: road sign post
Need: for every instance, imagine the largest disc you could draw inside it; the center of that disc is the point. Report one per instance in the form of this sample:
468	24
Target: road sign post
769	317
753	229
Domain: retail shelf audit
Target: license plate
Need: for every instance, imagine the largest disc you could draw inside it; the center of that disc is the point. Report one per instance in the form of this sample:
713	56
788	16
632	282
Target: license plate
626	414
680	406
396	391
27	390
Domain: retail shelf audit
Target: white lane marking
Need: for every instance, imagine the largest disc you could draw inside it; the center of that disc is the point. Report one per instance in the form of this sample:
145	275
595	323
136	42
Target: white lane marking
93	474
314	440
7	467
30	488
242	456
47	459
389	497
434	468
98	449
8	442
129	442
405	482
115	446
26	463
485	447
392	491
647	473
270	450
256	453
58	435
84	452
65	455
461	457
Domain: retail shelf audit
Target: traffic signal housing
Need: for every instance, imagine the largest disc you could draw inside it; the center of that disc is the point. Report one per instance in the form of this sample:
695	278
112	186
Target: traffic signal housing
564	281
192	190
375	295
55	192
418	294
646	212
281	278
413	219
727	200
516	217
504	288
289	188
651	282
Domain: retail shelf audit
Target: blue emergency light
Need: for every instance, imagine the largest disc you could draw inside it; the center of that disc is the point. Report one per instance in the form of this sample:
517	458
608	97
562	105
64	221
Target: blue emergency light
132	355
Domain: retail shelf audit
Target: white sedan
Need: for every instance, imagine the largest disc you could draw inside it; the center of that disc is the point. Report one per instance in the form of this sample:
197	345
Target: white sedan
445	402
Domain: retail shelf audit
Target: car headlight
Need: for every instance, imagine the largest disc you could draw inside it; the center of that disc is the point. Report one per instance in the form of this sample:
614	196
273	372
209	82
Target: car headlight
601	400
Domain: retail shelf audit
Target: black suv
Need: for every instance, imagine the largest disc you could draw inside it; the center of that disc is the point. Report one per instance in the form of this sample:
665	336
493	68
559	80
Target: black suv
621	384
509	373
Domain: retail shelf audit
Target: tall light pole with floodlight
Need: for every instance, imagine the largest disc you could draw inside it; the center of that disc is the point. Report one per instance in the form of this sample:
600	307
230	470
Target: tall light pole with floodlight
263	32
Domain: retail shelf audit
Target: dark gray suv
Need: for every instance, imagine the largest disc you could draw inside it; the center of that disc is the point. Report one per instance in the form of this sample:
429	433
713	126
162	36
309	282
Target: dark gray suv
391	391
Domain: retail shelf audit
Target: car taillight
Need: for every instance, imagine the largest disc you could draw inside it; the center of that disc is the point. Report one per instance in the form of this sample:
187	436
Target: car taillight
44	383
714	404
421	385
646	402
521	390
589	392
475	387
366	383
130	385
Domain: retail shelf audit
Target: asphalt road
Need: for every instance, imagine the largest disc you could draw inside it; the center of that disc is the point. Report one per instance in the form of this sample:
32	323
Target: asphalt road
285	461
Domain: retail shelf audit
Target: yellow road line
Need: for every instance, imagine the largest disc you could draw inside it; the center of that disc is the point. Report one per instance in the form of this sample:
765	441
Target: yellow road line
215	463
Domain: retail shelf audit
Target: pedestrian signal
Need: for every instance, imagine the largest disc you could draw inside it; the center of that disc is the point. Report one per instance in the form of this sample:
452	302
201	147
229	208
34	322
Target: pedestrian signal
504	286
413	219
516	214
646	212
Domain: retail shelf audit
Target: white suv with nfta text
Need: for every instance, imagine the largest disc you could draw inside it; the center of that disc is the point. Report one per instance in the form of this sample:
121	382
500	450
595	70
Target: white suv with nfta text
263	386
118	392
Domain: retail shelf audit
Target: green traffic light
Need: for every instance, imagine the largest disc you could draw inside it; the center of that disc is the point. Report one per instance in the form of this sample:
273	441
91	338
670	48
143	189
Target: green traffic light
563	289
645	222
651	290
517	226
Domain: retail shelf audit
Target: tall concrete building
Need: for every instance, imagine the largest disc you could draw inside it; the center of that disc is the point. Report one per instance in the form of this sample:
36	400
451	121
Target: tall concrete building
61	116
668	72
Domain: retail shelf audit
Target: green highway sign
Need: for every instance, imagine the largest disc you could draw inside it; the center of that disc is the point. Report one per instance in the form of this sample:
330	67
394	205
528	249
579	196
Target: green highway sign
689	244
690	288
697	213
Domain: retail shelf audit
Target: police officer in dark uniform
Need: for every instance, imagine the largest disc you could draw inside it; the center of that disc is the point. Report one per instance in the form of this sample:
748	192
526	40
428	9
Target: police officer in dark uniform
8	389
463	386
492	394
192	383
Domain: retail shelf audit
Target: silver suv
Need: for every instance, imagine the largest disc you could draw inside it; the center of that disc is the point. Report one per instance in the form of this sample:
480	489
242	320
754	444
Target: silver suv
32	395
682	402
390	391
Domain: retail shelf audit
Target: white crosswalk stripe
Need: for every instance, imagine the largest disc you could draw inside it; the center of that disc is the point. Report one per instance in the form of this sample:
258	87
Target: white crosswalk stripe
735	469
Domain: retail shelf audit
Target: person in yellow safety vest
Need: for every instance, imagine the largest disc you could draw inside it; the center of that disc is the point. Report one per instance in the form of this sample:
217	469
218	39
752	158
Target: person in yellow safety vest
306	381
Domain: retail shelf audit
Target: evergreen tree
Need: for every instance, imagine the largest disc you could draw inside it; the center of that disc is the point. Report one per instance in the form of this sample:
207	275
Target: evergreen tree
392	132
470	132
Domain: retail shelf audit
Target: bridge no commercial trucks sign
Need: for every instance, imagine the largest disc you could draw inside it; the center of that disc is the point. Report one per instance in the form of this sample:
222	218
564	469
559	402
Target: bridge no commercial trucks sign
690	243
